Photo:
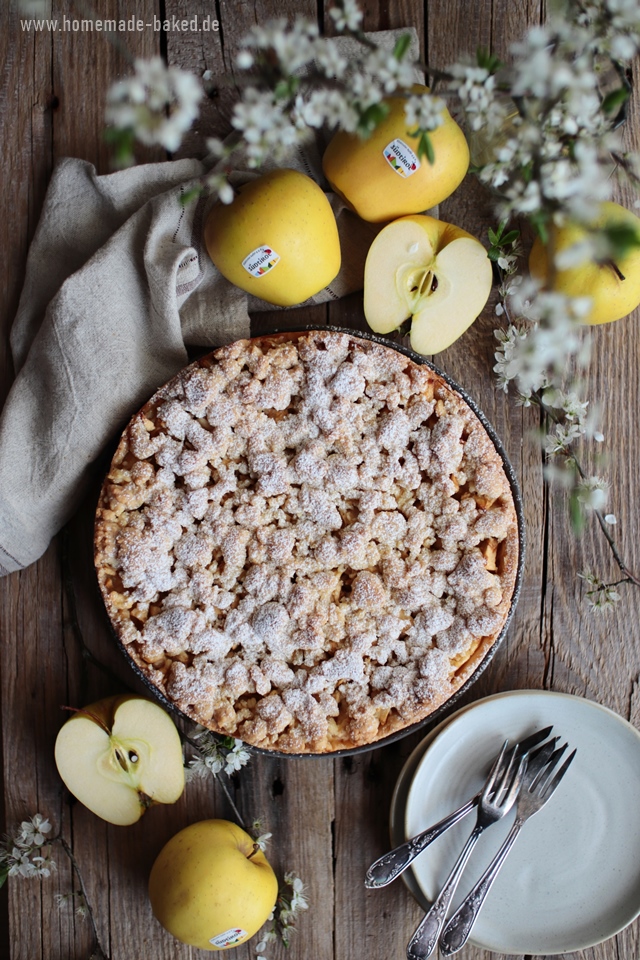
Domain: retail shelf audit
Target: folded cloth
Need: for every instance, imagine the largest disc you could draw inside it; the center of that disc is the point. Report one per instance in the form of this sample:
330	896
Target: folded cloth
118	285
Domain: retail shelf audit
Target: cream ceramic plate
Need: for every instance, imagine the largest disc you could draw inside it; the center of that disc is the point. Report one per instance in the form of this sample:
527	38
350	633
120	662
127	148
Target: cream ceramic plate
573	877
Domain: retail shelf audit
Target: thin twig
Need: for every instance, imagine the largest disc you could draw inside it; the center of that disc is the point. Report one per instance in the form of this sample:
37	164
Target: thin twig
194	745
76	869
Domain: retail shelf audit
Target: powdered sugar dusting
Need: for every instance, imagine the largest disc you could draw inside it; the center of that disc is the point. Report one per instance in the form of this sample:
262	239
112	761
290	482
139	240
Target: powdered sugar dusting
302	543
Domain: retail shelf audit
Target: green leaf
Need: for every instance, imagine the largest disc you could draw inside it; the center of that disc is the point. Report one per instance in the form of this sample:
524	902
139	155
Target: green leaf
371	117
510	237
494	253
287	88
622	238
402	45
614	100
121	141
494	238
576	514
425	148
539	221
527	172
190	195
4	873
488	61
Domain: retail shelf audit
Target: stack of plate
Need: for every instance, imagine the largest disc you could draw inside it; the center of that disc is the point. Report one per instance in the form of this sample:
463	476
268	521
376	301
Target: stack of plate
573	878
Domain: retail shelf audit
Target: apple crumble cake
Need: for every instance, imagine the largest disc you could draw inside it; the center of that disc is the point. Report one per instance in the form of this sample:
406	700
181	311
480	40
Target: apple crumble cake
307	541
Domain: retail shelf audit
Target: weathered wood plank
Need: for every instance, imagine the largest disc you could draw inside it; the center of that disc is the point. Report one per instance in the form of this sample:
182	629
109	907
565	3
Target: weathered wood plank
25	126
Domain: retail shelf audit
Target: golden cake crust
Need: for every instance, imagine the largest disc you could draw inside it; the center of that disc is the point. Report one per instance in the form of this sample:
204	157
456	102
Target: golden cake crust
307	541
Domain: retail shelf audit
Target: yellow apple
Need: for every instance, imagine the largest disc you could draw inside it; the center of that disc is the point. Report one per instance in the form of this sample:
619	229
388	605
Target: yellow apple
278	239
614	288
429	270
120	756
211	886
381	177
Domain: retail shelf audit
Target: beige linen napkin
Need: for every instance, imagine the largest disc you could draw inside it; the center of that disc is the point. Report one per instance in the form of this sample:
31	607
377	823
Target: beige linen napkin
118	284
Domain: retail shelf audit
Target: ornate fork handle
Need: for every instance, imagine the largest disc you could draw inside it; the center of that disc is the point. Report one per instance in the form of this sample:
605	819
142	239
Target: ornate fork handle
392	864
457	930
424	940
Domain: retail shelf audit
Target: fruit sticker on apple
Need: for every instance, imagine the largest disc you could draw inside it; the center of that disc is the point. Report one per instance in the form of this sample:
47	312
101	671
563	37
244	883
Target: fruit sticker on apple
260	260
211	886
401	158
120	756
429	270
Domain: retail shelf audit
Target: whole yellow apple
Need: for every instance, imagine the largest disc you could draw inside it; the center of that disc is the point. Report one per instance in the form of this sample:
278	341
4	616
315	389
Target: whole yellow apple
120	756
432	271
381	177
278	239
211	887
614	288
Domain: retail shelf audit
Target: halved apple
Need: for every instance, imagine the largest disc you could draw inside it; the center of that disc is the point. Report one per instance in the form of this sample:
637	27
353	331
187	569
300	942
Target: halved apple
429	270
119	756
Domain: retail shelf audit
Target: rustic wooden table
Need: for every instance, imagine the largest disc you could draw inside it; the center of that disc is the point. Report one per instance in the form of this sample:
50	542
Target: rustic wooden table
328	817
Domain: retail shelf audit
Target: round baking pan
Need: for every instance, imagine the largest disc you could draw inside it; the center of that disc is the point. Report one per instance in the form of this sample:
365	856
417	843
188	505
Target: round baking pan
441	710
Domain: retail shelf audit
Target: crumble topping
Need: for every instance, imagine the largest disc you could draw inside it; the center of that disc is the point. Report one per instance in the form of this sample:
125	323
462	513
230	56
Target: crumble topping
307	541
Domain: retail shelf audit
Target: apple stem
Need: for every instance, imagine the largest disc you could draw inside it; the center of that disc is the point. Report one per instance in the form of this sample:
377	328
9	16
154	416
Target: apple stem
256	847
87	713
616	269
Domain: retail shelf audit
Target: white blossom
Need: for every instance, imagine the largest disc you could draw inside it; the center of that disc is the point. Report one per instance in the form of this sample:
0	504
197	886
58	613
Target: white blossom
216	756
346	15
293	45
158	104
476	89
266	126
298	900
33	832
424	112
592	492
237	758
28	853
263	840
245	60
328	107
220	187
601	596
387	70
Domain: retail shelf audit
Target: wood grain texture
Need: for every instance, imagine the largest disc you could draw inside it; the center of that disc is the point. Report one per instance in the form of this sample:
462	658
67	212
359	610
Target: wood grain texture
328	817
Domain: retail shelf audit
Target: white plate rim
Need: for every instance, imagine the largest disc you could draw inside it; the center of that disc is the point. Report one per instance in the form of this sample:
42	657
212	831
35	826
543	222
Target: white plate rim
412	880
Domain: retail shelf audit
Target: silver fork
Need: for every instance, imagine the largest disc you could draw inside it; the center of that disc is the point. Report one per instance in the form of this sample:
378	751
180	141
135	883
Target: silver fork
392	864
495	801
538	785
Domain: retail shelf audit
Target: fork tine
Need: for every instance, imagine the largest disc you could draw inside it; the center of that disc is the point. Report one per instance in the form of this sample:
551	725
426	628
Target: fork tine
516	781
546	771
496	770
526	745
540	759
551	785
